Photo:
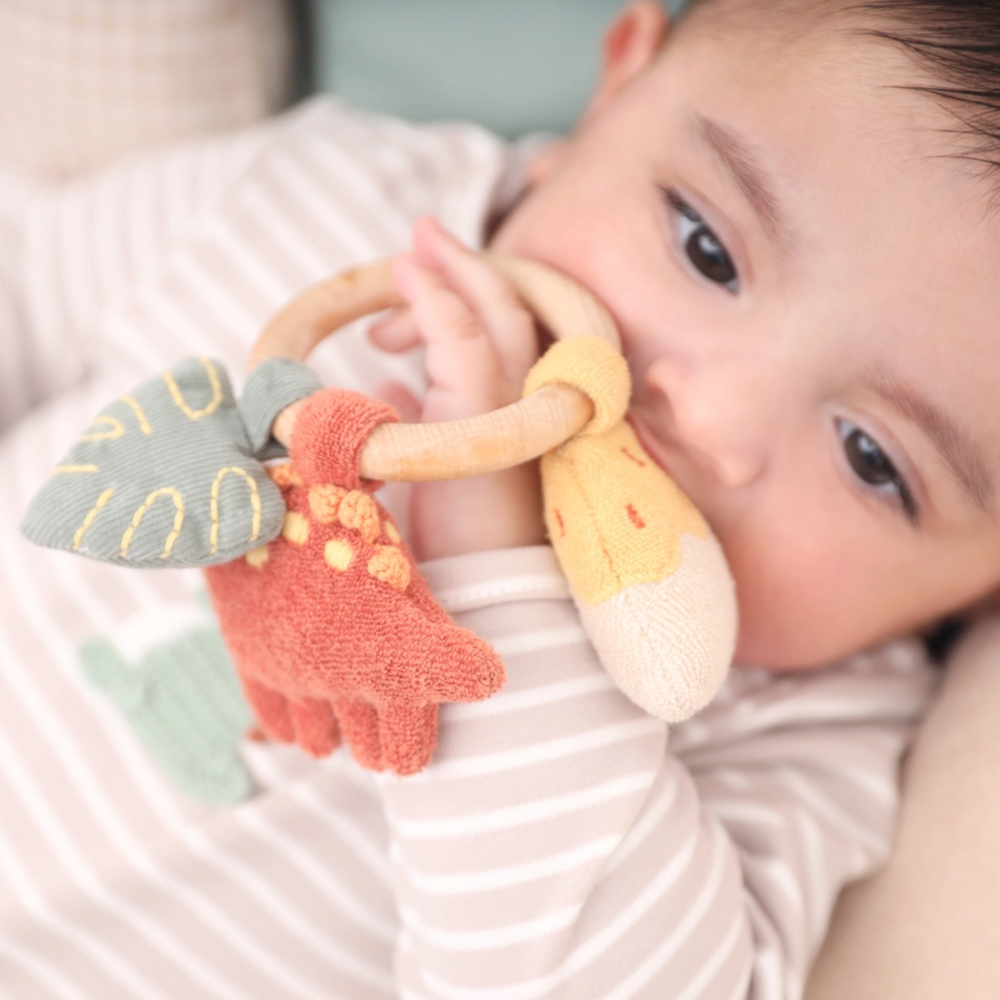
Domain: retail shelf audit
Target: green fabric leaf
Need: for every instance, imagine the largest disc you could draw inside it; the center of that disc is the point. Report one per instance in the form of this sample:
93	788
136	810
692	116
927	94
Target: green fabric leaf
164	476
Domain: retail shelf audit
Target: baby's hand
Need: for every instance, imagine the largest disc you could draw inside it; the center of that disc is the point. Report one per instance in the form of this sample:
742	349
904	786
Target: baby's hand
480	343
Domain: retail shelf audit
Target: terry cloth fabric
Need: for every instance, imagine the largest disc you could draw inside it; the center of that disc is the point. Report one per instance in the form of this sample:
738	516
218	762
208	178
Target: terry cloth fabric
561	844
333	631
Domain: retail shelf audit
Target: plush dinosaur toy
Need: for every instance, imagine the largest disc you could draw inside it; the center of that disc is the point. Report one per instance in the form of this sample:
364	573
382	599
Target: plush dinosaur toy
332	630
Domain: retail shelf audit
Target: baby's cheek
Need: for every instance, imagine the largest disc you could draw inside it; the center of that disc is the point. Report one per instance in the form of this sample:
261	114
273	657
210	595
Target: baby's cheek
800	603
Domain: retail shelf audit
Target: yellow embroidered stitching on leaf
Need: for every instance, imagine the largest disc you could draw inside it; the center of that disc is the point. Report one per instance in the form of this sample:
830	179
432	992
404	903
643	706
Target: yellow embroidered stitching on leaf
116	430
141	513
213	378
70	469
254	502
139	414
89	519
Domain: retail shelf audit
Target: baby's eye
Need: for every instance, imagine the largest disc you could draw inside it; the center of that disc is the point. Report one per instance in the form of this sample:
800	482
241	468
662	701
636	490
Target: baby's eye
872	466
702	247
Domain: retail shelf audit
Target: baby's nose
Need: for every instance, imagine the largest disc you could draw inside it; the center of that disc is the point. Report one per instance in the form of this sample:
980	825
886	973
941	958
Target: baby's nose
718	419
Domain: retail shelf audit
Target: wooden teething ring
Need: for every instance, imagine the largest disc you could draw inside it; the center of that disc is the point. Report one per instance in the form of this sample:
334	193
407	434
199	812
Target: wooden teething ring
453	449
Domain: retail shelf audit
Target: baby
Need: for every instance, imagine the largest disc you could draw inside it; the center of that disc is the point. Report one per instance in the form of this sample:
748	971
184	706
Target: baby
786	205
767	204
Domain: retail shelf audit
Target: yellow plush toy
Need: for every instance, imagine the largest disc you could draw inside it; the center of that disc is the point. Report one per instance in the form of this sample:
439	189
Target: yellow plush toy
653	590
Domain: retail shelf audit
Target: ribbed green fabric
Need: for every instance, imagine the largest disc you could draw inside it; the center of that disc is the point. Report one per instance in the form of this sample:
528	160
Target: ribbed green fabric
170	474
185	706
269	388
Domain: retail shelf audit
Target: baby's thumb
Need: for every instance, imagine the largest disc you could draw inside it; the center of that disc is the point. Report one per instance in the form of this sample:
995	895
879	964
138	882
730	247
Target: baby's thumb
400	399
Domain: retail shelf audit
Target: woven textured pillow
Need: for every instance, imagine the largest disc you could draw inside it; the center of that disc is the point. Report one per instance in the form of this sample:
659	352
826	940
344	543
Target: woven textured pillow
86	80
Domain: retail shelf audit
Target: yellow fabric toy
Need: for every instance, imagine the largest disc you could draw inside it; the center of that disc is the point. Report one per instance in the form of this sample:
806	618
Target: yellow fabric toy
653	589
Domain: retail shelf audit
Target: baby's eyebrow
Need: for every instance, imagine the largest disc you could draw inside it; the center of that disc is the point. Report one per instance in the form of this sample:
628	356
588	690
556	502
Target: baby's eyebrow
962	454
737	155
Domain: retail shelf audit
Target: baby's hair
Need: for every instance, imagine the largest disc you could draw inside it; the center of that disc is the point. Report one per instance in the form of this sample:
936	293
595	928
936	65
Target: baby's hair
958	42
955	44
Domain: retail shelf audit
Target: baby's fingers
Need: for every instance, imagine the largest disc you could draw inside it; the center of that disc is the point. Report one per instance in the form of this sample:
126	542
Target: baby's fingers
400	399
463	368
486	290
395	332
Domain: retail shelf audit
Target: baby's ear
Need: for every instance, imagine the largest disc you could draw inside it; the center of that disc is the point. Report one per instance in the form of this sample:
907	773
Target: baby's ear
545	161
631	43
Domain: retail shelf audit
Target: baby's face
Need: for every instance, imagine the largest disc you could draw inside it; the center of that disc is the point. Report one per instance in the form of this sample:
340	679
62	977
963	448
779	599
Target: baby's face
808	297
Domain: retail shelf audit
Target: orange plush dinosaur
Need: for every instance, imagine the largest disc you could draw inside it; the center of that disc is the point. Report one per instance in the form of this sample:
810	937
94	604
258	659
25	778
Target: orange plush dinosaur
334	634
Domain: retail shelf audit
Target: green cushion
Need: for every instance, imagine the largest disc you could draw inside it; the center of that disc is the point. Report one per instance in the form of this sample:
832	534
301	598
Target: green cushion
513	65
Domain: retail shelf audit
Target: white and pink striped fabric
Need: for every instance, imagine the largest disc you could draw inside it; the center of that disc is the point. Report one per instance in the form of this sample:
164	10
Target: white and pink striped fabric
563	844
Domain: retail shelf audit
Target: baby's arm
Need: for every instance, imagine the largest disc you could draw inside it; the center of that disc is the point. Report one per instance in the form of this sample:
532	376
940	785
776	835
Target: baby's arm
565	844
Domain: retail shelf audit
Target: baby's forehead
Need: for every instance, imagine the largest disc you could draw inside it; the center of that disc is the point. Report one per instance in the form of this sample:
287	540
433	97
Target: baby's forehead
746	15
934	65
885	178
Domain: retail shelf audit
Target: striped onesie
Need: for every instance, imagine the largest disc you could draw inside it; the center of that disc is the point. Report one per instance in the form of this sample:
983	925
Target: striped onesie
562	844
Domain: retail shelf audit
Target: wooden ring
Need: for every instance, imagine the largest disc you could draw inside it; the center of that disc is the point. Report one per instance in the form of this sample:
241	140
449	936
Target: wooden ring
451	449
